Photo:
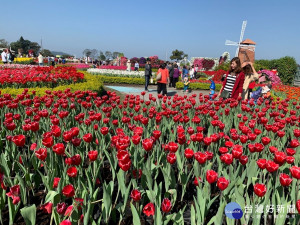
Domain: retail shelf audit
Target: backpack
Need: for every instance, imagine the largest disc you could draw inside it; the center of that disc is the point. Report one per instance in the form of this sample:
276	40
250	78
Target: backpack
12	57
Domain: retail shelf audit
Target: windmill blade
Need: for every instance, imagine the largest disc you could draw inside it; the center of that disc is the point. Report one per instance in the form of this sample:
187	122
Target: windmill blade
227	42
243	30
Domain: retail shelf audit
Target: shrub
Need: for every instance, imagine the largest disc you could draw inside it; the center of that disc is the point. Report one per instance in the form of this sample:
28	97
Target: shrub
223	66
198	86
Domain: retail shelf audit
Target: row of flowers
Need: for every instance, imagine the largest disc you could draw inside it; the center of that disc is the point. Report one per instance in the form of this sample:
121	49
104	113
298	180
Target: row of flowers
27	77
102	160
112	72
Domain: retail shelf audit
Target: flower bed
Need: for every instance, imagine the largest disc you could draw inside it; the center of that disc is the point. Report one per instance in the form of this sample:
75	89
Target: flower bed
120	73
28	77
100	160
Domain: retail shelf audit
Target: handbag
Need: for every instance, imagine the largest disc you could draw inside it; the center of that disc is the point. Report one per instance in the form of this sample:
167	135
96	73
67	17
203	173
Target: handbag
225	94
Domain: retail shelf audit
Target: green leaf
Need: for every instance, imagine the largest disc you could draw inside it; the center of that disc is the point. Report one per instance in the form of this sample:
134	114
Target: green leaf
136	218
193	216
51	197
29	214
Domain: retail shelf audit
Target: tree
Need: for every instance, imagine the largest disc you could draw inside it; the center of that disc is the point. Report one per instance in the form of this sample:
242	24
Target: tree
46	52
178	55
108	54
94	53
102	56
115	54
87	52
25	45
3	43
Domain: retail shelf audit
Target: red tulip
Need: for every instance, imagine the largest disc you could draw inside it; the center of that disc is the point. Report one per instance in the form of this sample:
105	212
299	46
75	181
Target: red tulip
61	208
222	183
136	195
48	141
68	211
290	159
197	180
290	151
200	157
156	134
237	151
166	205
19	140
93	154
47	207
227	158
259	147
280	157
55	182
171	158
285	179
294	143
295	171
243	159
68	191
261	163
211	176
223	150
14	193
66	222
149	209
297	133
260	190
147	144
72	171
41	154
173	147
228	144
271	166
104	130
125	165
188	153
88	137
266	140
298	206
136	139
59	149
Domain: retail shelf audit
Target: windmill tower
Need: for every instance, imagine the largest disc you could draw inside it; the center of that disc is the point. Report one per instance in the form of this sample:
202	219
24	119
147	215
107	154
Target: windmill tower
246	49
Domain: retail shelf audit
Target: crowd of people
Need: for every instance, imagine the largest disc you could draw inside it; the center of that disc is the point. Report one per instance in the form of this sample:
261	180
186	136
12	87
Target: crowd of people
7	56
238	82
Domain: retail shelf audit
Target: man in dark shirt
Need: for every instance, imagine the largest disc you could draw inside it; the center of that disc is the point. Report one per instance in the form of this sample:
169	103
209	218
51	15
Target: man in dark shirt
148	73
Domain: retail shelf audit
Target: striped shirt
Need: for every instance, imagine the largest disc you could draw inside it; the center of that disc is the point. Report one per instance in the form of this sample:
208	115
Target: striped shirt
230	83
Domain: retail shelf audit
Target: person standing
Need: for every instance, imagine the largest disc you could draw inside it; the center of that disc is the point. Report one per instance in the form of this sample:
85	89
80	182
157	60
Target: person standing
4	56
185	72
136	66
148	74
176	74
128	65
171	72
250	76
41	59
233	83
162	83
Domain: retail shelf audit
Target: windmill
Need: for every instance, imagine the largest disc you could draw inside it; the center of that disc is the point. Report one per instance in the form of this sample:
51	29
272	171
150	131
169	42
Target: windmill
239	44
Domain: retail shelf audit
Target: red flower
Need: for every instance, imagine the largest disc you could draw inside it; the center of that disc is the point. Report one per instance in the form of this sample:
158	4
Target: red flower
55	182
61	208
297	133
173	147
47	207
227	158
259	147
298	206
222	183
19	140
188	153
88	137
48	141
271	166
92	155
14	193
197	180
285	179
41	154
76	160
125	165
290	159
211	176
156	134
104	130
68	211
294	143
59	149
261	163
166	205
68	191
149	209
266	140
280	157
290	151
56	131
260	190
237	151
200	157
207	140
243	159
76	141
171	158
72	171
228	144
66	222
295	171
147	144
223	150
136	195
136	139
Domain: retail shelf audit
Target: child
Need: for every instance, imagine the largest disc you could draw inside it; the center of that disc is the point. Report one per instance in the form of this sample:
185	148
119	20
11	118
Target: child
186	83
212	88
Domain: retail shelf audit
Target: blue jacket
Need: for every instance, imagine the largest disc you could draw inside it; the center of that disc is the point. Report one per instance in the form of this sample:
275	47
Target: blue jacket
212	85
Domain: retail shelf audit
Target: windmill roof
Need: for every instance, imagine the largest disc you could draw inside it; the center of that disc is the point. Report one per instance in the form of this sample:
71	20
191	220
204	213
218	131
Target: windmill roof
248	41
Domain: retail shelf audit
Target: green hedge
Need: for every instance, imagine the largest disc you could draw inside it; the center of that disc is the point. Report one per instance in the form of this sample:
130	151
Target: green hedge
200	86
120	80
286	67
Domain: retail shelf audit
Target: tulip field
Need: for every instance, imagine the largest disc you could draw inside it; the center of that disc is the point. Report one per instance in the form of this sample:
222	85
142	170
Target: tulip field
81	158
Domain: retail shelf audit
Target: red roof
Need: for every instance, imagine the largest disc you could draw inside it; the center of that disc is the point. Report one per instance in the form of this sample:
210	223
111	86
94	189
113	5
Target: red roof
248	42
